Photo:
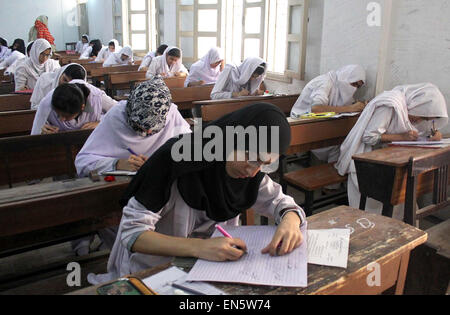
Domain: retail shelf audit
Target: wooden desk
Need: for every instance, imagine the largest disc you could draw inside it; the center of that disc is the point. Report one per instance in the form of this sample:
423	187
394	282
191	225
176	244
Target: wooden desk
16	123
376	239
7	87
215	109
14	102
45	214
184	98
382	175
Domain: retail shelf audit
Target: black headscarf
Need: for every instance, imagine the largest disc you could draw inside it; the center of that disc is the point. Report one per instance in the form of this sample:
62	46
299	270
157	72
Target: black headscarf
20	46
203	185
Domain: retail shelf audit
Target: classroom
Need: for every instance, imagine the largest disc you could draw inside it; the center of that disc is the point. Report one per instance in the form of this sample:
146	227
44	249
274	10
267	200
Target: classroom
224	148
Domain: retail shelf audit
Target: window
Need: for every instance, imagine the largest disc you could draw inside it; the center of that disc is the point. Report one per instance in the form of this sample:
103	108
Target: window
138	22
199	24
117	21
274	30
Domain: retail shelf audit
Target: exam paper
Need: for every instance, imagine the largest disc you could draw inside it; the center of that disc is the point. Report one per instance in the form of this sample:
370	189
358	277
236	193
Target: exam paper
119	173
254	267
329	247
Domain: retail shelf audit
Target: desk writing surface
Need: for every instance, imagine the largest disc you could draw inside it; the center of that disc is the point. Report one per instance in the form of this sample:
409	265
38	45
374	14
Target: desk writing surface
374	239
396	156
261	98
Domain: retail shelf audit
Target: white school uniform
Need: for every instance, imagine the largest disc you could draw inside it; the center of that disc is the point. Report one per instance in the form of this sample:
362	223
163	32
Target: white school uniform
236	78
388	114
116	60
159	66
80	47
147	60
8	62
202	71
177	219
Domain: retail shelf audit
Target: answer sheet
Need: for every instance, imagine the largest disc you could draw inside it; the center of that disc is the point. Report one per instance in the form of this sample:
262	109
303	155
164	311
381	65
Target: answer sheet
329	247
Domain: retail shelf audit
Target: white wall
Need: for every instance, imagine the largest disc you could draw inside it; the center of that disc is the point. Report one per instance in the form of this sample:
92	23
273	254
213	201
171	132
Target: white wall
19	16
100	20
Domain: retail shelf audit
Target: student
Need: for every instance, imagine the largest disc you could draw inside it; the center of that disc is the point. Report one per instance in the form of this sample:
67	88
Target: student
332	92
77	105
122	58
206	70
112	47
403	114
82	45
4	50
150	56
50	81
93	50
243	80
40	30
17	52
171	207
11	70
142	124
38	63
170	64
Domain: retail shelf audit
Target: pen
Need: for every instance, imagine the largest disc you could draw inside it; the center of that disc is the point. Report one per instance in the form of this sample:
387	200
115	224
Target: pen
433	131
132	152
225	233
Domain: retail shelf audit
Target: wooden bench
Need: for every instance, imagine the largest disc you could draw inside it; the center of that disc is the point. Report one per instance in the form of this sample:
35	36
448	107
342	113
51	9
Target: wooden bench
314	178
36	157
215	109
16	123
184	98
383	241
98	74
123	81
7	87
14	102
42	215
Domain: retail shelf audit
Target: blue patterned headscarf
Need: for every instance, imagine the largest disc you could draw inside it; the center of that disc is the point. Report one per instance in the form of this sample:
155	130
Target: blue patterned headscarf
148	105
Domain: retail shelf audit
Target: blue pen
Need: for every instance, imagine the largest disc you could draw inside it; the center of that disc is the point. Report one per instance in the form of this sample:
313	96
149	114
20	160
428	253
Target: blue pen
132	152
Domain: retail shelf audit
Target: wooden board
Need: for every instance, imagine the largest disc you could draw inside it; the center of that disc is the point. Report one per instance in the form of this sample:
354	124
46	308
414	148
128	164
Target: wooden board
16	123
14	102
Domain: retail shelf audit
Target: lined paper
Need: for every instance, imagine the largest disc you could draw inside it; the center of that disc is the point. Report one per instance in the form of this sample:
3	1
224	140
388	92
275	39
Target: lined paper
254	267
329	247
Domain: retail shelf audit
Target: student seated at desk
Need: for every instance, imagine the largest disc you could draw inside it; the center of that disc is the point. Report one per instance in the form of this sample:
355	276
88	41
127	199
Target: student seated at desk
243	80
206	70
37	64
105	52
17	52
122	58
11	70
50	81
146	62
82	44
71	106
403	114
169	65
4	50
92	51
142	124
170	205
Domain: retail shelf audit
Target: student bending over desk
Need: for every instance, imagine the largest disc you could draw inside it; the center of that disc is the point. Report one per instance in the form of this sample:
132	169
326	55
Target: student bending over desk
206	70
169	65
147	61
107	51
51	80
72	106
160	218
244	80
403	114
122	58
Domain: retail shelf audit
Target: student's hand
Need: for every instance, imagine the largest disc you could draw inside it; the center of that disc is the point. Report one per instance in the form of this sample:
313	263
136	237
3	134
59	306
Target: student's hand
48	130
90	125
222	249
358	107
144	69
259	93
437	137
411	136
136	162
244	92
288	235
163	74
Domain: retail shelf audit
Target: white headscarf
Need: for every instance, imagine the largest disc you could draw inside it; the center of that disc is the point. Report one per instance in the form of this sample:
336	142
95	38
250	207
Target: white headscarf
48	82
115	58
32	66
241	75
424	100
342	92
160	63
202	71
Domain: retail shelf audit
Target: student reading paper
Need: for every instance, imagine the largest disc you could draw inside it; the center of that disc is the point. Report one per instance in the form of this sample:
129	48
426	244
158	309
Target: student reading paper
403	114
51	80
170	64
169	205
142	124
243	80
71	106
38	63
112	47
11	70
122	58
17	52
82	44
150	56
206	70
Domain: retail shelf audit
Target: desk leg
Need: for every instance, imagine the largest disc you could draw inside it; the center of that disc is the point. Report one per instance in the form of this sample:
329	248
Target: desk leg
281	170
400	286
388	210
362	204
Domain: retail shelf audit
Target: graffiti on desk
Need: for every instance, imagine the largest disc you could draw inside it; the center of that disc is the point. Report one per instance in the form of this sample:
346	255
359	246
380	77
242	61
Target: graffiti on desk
363	222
